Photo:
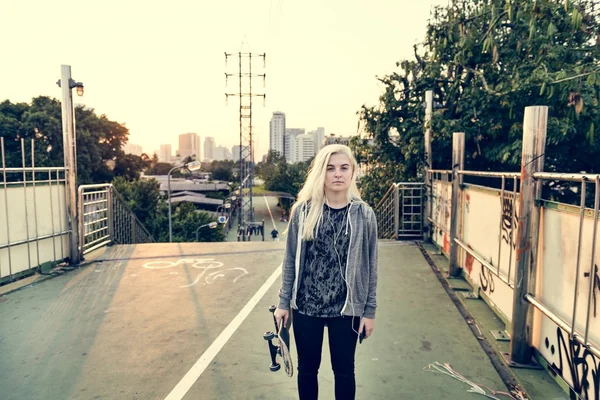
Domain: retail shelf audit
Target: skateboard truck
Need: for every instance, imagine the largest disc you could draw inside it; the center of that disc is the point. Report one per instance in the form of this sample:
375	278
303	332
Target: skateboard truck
281	348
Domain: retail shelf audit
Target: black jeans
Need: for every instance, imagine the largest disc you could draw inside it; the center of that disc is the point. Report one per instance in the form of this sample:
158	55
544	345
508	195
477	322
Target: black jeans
308	335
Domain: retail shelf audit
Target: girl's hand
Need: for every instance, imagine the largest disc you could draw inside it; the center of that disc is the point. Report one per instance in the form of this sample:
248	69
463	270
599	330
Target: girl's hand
367	324
282	315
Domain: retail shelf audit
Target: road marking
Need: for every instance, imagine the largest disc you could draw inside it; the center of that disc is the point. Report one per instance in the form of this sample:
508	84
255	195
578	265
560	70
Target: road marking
203	362
269	208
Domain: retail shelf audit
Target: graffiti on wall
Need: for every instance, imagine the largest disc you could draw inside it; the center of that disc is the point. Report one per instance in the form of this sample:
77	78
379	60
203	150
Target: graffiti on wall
486	279
446	244
596	288
469	260
509	221
442	205
575	364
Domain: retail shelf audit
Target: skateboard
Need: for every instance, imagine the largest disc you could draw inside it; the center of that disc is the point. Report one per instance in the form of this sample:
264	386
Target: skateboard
281	348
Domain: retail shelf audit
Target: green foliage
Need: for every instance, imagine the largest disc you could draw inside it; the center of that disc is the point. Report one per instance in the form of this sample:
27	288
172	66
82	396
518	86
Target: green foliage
486	62
99	140
129	166
220	170
187	220
143	197
279	176
159	168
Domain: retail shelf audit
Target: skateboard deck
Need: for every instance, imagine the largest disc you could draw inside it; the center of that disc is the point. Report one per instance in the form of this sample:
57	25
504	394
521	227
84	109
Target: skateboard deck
281	347
284	350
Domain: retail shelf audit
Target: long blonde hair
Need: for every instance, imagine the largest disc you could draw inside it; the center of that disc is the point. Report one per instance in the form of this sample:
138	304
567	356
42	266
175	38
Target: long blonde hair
313	190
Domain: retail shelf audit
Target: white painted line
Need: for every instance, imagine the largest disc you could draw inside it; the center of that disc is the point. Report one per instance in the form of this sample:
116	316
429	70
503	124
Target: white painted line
194	373
269	208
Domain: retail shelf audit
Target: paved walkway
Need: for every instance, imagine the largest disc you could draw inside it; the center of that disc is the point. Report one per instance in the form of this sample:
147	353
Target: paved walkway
133	326
265	208
185	321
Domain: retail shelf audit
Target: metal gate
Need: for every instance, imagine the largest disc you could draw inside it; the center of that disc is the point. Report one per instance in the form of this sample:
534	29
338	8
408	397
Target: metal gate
105	218
400	212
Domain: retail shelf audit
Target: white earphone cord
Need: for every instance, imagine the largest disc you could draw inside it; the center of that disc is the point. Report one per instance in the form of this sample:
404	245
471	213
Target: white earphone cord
335	239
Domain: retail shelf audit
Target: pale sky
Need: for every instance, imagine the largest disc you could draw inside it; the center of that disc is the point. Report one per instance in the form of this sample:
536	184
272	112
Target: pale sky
159	67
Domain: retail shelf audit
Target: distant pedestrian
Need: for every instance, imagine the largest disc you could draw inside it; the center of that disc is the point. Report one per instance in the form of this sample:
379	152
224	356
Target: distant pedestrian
275	234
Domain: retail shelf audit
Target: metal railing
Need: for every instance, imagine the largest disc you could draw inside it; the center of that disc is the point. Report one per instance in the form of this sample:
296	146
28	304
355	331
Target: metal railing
513	178
584	179
445	178
105	218
439	198
387	212
33	228
400	212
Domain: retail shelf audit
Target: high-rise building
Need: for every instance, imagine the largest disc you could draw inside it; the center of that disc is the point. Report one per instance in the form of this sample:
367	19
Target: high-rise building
189	145
209	146
165	153
277	133
222	153
130	148
235	153
305	147
290	140
319	137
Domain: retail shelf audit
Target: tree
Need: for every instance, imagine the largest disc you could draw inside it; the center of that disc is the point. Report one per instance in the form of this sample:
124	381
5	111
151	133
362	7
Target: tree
220	170
99	140
159	168
279	176
186	220
144	199
130	166
485	62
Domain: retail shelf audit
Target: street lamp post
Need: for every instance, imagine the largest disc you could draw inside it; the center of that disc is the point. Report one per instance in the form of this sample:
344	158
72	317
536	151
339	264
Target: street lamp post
211	225
70	154
192	166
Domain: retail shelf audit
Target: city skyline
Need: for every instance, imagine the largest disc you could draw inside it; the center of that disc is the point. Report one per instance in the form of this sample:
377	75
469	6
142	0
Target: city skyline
150	80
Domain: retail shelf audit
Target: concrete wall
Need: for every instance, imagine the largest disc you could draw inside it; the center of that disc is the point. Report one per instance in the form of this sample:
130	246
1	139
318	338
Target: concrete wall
555	287
20	222
485	226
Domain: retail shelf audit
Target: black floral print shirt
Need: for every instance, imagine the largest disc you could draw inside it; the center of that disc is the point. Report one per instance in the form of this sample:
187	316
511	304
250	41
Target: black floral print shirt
322	290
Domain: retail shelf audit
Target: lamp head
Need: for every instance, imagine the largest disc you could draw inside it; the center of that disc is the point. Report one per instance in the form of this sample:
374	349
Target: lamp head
194	165
79	87
212	225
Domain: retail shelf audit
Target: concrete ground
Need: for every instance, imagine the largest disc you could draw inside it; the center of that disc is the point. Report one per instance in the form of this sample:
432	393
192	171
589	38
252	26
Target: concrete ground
265	208
134	322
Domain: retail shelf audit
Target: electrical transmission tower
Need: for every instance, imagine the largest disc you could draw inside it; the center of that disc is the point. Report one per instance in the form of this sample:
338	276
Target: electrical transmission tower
246	152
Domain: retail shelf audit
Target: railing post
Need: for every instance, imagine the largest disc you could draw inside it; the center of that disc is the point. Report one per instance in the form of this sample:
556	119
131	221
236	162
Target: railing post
81	222
396	211
110	213
534	139
428	163
70	157
133	238
458	160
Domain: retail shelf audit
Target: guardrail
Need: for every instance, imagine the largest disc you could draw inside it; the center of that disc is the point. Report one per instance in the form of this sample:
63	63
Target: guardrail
105	218
33	228
400	211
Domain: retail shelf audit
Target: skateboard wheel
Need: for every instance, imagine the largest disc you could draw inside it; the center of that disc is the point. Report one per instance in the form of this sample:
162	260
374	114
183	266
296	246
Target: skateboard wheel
269	335
275	367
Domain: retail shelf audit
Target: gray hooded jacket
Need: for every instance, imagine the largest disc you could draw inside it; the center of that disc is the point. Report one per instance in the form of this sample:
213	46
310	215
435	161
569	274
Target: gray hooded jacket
361	265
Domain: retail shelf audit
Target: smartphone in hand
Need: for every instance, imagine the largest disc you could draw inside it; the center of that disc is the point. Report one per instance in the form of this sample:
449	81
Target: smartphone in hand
361	336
